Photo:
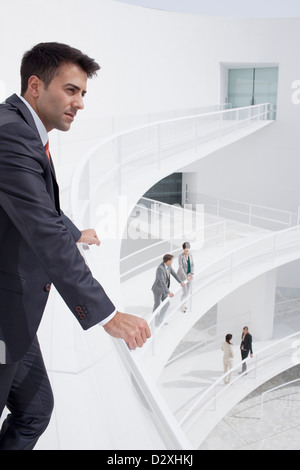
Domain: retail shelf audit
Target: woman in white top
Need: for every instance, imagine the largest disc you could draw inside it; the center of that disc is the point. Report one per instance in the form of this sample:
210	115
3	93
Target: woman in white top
228	357
185	270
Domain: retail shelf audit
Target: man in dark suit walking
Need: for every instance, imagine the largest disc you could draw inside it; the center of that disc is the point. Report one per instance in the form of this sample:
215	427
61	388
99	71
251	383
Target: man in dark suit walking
38	242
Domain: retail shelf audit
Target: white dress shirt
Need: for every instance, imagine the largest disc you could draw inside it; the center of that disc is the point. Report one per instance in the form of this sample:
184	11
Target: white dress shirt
40	126
44	138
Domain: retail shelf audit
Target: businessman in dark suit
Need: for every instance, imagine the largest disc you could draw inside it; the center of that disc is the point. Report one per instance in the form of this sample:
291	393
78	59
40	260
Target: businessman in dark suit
161	287
246	347
38	242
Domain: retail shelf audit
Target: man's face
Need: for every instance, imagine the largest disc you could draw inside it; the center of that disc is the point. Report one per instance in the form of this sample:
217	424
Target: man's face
58	104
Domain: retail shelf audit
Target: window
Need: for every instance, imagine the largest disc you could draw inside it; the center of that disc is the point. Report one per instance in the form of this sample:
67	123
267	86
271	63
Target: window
251	86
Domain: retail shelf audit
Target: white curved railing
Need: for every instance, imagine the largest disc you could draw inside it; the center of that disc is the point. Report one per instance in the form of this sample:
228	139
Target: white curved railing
167	426
175	433
164	420
175	219
260	252
250	214
279	387
153	213
113	161
283	349
208	339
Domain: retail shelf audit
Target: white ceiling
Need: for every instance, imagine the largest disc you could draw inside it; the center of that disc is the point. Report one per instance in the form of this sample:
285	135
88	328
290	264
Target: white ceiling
226	8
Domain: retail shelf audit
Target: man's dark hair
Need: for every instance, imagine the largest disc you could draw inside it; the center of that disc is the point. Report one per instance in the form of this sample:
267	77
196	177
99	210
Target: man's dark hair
168	258
44	59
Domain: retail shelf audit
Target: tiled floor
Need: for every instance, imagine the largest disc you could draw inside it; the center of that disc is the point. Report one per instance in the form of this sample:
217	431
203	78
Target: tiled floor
279	428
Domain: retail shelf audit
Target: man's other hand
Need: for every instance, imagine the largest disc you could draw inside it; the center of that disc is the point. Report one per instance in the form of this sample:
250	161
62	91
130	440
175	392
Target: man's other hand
89	237
134	330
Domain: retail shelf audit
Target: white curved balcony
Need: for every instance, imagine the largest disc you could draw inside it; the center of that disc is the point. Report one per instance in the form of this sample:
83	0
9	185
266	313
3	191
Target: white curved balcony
199	417
116	173
213	282
112	166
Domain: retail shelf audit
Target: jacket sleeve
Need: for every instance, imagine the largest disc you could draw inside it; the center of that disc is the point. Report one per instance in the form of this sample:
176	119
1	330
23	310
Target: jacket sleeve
192	265
25	199
161	280
250	344
76	233
181	272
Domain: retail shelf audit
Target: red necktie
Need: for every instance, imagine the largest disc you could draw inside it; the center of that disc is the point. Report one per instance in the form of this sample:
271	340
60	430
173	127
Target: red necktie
47	150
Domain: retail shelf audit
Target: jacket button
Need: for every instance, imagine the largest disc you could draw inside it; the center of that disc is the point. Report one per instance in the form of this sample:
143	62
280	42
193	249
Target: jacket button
47	287
80	312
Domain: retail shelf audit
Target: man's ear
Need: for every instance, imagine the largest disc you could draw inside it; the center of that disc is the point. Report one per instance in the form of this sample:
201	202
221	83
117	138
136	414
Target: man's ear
34	86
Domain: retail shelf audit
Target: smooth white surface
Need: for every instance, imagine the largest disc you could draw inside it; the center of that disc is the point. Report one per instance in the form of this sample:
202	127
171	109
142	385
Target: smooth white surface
228	8
151	61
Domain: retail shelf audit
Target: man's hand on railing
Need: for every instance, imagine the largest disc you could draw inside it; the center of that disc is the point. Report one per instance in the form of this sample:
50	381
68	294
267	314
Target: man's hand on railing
133	330
89	237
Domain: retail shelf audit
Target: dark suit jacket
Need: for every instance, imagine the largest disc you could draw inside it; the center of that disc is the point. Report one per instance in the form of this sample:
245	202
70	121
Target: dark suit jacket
161	283
37	241
246	344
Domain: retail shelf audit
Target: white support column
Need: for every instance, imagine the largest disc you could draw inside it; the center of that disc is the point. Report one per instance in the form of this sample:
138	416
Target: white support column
251	305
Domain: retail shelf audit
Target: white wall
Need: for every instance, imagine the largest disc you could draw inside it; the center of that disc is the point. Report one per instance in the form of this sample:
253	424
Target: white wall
251	305
154	60
150	60
263	168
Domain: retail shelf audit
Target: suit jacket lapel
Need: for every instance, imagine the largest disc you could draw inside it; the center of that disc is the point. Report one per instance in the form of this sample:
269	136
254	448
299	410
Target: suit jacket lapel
27	116
15	101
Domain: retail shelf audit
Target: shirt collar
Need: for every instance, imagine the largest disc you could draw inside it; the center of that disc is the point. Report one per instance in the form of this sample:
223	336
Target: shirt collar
40	126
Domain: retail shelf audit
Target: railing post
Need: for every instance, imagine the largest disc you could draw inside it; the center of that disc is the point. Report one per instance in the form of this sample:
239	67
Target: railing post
224	233
231	267
274	247
195	136
218	208
261	405
237	118
153	340
158	146
219	132
298	218
119	163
